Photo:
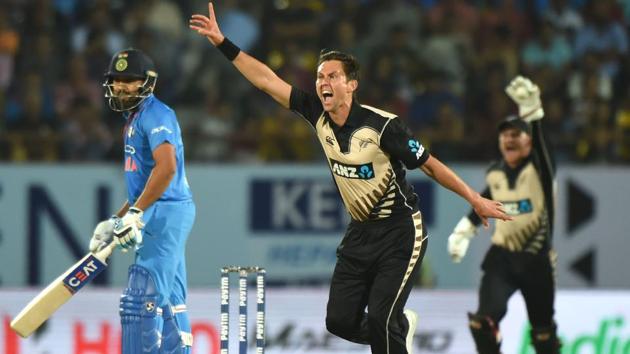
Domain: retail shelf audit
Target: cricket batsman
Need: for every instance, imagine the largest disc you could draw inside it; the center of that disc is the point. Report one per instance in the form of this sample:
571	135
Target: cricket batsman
158	215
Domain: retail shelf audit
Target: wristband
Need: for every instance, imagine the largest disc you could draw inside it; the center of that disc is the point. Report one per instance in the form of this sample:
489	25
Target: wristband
229	49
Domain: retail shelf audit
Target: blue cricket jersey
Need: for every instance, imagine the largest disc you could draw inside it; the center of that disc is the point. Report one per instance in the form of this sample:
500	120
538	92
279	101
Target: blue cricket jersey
153	124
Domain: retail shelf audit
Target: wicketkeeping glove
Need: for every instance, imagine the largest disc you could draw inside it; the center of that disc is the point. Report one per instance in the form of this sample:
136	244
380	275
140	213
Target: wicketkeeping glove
526	95
103	234
459	240
127	229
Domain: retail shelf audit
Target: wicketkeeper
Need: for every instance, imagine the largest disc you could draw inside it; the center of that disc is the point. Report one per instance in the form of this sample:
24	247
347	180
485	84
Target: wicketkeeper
521	256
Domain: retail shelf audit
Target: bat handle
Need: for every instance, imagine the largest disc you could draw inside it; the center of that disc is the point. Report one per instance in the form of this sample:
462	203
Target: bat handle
104	254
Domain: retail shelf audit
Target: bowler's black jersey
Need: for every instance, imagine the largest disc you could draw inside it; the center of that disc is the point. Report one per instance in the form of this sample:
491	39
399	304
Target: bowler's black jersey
366	157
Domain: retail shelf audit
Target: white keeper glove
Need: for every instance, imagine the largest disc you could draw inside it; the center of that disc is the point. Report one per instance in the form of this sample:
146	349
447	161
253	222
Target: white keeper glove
459	240
127	229
526	95
103	234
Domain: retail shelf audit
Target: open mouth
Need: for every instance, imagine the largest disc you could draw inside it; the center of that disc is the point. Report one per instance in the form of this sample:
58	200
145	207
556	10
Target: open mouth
327	95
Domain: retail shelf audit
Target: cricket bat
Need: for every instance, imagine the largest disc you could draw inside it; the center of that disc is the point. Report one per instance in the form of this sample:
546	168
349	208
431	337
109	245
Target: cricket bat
60	290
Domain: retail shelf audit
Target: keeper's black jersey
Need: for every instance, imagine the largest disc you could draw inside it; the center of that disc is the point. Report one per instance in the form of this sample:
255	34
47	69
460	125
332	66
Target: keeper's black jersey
366	156
527	194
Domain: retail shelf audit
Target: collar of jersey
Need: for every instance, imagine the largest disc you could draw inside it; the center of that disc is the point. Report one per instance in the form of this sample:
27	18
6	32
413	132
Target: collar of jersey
518	168
354	117
139	109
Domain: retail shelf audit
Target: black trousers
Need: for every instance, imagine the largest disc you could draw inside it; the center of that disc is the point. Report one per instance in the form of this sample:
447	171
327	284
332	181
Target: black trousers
377	262
506	272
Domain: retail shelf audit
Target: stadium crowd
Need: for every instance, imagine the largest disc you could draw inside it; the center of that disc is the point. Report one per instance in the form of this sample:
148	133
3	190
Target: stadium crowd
439	64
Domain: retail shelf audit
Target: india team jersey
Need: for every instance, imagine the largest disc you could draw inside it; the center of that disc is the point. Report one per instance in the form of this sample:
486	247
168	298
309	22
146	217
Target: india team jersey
146	129
366	157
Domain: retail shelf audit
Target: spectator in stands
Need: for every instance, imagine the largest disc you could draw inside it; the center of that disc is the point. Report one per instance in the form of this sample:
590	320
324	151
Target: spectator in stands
282	138
466	15
547	49
563	17
586	86
9	44
432	93
603	36
561	129
448	49
32	133
76	83
622	132
595	137
240	22
98	19
211	132
445	137
85	137
479	43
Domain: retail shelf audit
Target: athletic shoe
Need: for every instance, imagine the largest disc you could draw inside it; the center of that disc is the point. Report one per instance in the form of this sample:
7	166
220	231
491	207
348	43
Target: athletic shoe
412	320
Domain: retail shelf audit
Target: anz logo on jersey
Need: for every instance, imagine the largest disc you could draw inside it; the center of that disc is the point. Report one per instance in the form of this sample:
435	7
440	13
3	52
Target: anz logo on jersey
365	171
518	207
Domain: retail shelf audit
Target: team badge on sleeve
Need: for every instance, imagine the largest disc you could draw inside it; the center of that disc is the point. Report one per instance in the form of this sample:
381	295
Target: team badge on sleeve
416	148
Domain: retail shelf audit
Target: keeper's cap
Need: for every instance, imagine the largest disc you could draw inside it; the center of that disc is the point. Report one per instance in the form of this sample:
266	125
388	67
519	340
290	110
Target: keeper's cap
513	121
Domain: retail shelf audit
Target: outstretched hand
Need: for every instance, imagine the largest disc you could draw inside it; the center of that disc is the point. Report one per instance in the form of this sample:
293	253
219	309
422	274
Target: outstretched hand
526	95
207	26
487	208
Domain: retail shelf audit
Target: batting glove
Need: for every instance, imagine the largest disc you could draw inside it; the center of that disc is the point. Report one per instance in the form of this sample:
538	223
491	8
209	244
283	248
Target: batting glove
526	95
459	240
127	229
103	234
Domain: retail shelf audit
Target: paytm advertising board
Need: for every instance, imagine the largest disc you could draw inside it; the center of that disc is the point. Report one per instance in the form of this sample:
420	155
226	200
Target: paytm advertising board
290	220
593	322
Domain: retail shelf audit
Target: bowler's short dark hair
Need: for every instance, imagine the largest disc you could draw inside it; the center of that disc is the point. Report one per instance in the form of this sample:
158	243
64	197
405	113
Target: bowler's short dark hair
349	63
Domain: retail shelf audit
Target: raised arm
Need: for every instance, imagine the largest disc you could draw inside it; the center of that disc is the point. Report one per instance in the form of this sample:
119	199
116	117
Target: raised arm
259	74
526	95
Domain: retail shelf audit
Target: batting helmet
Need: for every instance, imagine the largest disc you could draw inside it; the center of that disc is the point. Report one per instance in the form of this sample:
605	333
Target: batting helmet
129	64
